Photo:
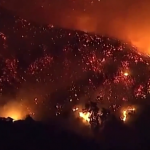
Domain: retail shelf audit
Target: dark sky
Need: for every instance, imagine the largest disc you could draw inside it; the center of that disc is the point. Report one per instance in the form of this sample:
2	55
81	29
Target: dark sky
126	19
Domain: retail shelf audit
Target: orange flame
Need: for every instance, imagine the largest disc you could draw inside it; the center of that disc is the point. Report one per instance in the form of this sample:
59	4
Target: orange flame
85	116
125	113
13	110
14	114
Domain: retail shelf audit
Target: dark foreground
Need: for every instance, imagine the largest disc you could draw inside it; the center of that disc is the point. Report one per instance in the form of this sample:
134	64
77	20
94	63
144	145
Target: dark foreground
33	135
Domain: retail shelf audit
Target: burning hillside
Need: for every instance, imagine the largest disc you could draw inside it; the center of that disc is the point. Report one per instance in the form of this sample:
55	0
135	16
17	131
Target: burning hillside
50	69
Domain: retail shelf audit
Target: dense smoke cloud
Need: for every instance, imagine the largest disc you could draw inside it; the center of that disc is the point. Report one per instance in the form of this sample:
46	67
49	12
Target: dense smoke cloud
124	19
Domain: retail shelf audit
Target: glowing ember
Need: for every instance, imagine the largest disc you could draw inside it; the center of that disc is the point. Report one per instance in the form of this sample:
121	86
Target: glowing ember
85	116
126	74
126	112
124	115
75	109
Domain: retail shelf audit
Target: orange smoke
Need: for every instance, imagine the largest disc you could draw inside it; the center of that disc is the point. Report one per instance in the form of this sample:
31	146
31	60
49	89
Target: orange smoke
124	19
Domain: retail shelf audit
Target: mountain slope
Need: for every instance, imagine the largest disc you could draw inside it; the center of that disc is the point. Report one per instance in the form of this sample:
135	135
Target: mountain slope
44	66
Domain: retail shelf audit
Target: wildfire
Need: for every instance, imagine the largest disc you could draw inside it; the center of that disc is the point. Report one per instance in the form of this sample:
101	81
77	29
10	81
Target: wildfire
14	114
125	113
13	110
85	116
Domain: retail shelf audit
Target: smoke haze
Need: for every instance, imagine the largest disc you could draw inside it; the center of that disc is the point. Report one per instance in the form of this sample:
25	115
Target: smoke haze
123	19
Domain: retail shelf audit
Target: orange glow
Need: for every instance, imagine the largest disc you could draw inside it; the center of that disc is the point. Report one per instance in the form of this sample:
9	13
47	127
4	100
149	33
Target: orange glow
125	113
126	74
14	114
85	116
114	18
13	110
